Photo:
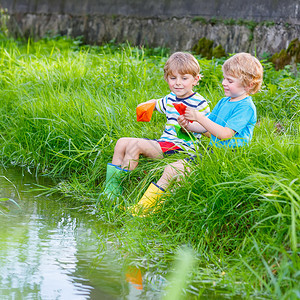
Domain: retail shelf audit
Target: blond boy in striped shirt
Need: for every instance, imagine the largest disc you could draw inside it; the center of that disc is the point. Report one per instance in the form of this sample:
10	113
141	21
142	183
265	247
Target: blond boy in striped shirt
182	73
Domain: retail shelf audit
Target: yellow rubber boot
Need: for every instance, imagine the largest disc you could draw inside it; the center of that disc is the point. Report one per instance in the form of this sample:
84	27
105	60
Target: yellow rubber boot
149	200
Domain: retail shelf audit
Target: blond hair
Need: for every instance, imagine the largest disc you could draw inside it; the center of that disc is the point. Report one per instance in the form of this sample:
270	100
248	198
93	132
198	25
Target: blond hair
247	68
183	63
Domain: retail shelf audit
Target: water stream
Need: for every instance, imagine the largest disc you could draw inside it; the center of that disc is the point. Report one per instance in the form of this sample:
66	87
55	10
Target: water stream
51	250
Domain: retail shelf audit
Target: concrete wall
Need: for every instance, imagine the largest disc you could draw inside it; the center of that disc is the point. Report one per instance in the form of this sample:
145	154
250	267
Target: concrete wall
284	10
160	22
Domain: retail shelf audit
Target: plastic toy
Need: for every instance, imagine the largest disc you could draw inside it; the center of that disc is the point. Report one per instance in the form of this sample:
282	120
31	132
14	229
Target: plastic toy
180	108
144	112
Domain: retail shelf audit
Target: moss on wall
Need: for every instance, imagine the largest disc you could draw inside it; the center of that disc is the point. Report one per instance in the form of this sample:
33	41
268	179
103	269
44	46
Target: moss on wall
218	52
290	56
205	48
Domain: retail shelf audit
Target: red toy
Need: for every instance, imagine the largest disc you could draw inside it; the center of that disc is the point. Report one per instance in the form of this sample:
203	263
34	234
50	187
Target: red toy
180	108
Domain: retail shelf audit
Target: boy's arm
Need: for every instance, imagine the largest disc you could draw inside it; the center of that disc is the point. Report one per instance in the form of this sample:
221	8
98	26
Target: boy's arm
207	134
149	101
213	128
193	127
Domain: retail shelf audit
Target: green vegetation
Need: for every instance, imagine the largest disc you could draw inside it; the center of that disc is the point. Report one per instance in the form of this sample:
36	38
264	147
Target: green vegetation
63	107
4	18
289	56
200	19
5	202
242	22
205	48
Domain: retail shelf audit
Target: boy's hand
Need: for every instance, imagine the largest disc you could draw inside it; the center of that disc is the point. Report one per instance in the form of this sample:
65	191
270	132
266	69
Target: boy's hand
150	101
191	114
182	121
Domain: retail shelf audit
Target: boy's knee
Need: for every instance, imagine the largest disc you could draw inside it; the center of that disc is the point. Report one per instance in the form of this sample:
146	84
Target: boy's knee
174	168
122	142
169	169
135	145
127	145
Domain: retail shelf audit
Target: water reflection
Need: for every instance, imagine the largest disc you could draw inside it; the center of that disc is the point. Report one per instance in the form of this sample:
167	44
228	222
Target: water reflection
134	276
49	251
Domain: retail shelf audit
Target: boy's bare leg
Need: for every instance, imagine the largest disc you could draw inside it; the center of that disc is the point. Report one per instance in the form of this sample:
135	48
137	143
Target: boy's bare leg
128	150
154	192
171	171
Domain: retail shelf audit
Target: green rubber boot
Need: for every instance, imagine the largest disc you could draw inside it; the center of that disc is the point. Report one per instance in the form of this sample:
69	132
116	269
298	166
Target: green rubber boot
114	175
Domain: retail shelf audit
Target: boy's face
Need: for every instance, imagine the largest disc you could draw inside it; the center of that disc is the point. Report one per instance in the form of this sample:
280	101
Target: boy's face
182	85
233	87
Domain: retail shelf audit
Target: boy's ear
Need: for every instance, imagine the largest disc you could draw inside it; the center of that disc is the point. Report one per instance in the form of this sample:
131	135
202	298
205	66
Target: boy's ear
196	79
249	87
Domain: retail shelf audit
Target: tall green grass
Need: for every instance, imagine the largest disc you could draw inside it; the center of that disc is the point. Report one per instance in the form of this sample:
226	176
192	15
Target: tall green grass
63	107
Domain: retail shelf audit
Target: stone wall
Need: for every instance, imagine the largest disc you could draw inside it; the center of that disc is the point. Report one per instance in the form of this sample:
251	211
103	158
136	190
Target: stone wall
258	10
177	25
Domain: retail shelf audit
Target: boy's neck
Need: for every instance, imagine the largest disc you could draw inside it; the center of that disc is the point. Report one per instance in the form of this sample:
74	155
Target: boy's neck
189	95
239	97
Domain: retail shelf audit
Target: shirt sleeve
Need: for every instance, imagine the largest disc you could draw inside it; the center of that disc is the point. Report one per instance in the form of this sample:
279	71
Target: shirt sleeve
203	107
214	114
240	118
161	105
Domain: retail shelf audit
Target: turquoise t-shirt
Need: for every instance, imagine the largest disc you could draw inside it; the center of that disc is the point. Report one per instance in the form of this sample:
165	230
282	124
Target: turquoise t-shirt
239	116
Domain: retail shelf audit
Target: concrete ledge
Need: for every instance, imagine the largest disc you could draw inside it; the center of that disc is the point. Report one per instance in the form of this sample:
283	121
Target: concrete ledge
174	33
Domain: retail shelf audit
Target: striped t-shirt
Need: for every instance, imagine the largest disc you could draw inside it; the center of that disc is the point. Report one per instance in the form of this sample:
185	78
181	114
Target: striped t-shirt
165	106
